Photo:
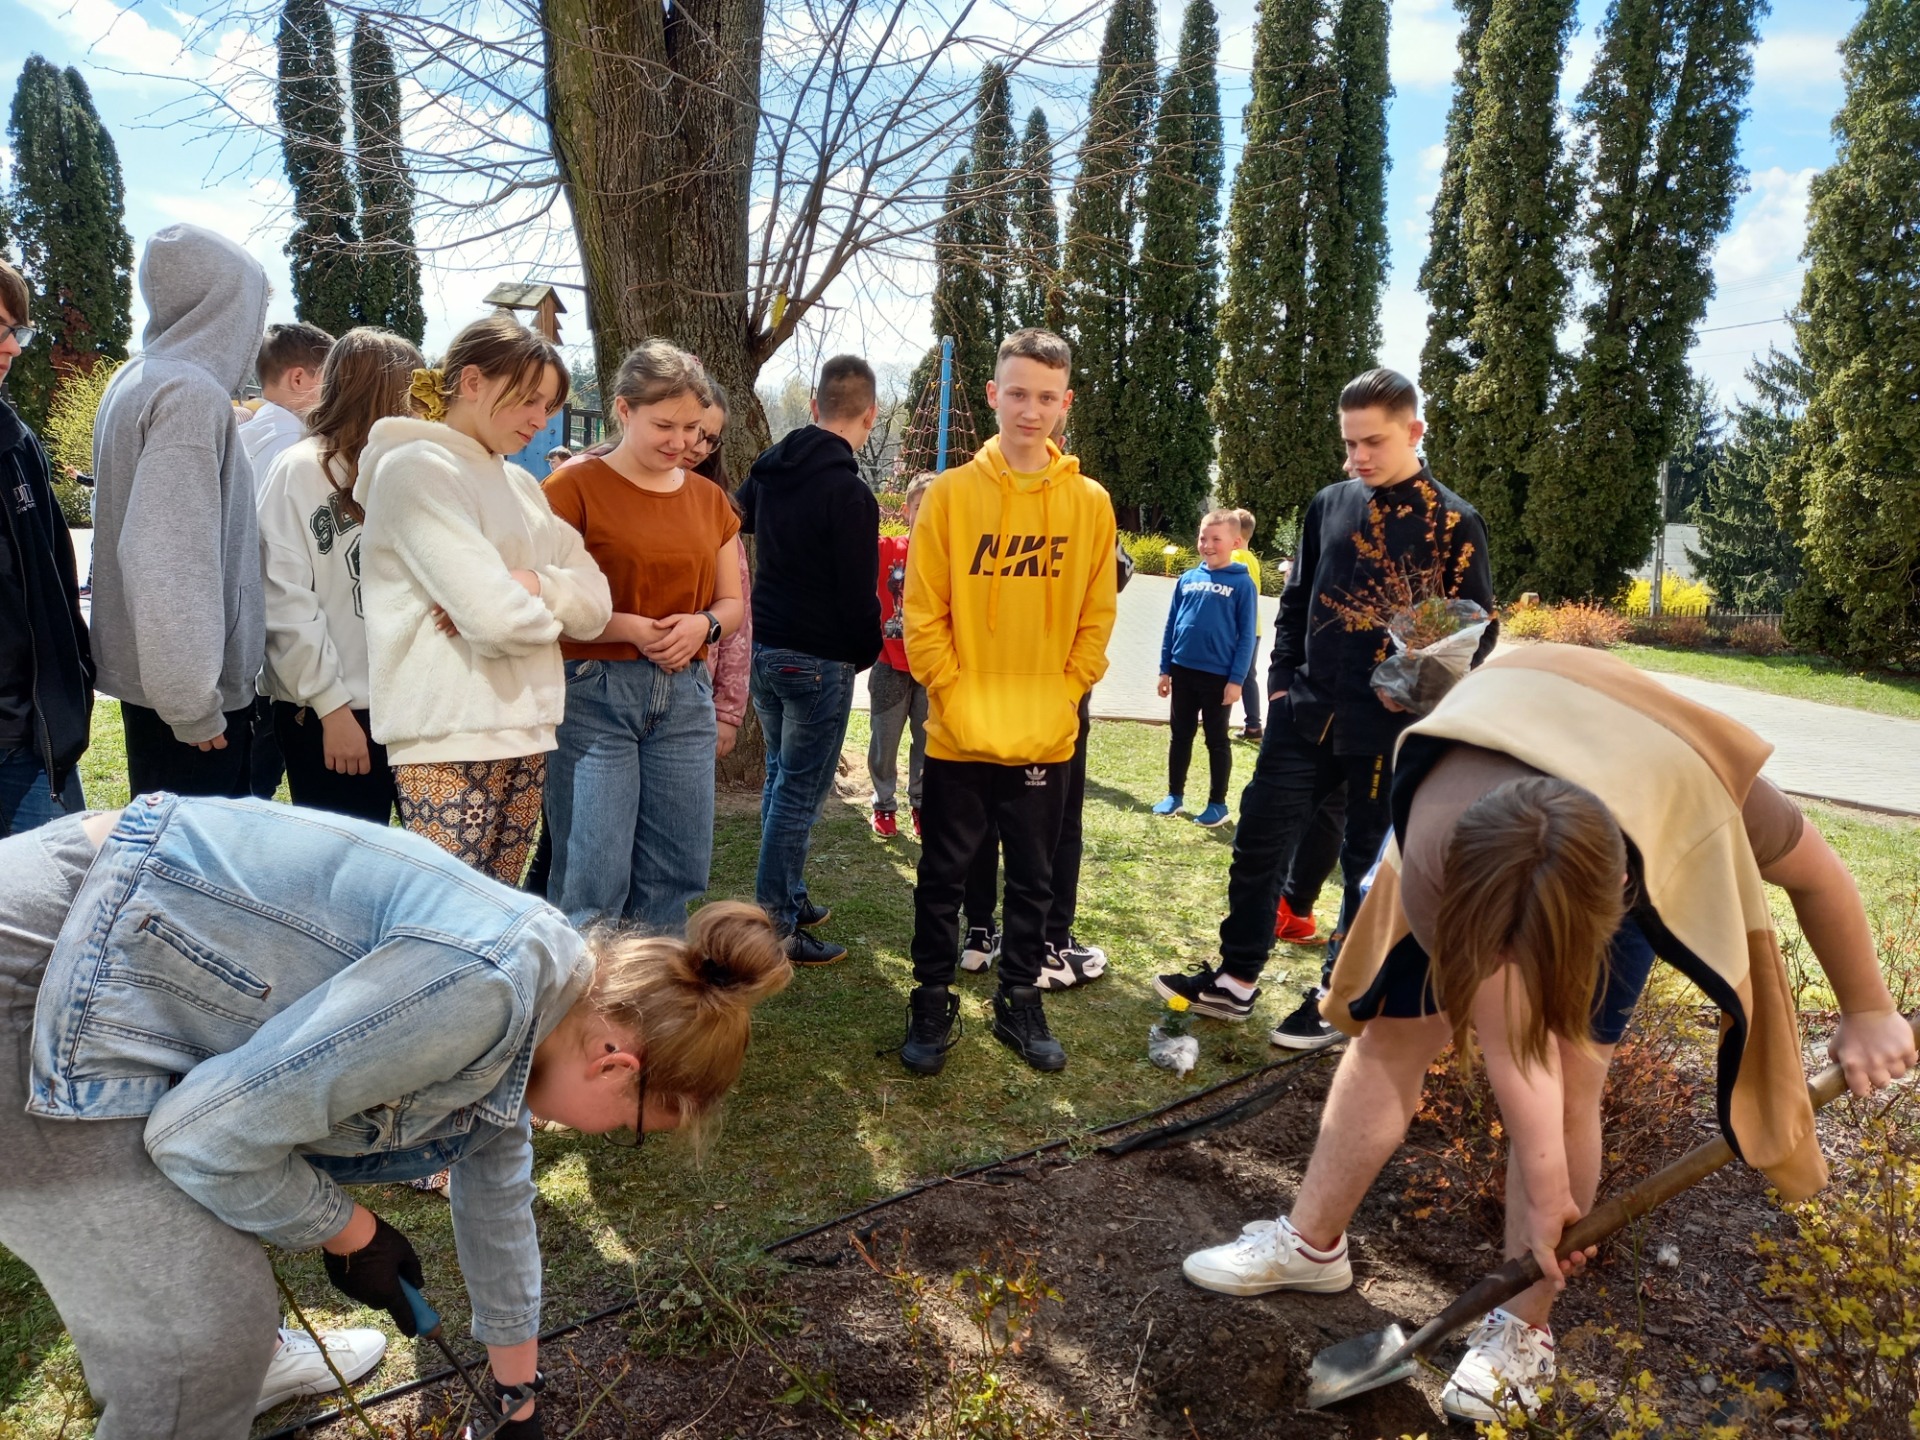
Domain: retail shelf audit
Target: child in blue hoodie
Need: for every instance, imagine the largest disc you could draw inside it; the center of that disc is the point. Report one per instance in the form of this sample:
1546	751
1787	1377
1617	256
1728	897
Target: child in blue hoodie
1208	644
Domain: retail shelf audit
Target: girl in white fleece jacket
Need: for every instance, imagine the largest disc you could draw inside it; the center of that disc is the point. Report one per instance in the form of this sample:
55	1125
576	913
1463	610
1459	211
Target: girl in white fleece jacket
310	534
469	580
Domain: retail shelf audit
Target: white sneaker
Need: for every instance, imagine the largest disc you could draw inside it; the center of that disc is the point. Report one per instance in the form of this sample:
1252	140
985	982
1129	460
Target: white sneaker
1506	1361
1269	1255
981	949
297	1367
1075	964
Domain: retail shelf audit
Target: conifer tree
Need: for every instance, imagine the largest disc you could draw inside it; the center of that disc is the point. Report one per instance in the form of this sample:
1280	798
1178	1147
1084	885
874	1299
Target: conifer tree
1857	474
986	250
322	251
1037	225
1350	276
1276	438
1660	119
1102	215
389	288
1748	556
962	307
1449	352
67	217
1165	477
1517	212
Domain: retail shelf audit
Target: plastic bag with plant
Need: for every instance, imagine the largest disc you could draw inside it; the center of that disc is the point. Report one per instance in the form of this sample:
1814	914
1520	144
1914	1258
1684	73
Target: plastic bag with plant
1434	644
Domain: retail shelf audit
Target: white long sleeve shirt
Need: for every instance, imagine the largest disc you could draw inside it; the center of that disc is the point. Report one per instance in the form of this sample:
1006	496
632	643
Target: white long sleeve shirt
310	562
266	434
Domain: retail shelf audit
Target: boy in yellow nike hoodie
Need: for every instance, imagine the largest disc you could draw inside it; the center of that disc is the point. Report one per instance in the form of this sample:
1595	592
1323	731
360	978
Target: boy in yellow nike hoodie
1009	605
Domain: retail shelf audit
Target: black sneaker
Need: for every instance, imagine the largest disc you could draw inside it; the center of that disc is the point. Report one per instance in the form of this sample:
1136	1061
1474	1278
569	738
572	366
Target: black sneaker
1204	995
933	1025
810	914
1304	1029
1252	732
807	949
981	949
1020	1024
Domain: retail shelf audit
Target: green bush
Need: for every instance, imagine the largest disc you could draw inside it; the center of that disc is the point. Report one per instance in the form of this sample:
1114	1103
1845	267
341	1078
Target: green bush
1150	556
76	503
1526	622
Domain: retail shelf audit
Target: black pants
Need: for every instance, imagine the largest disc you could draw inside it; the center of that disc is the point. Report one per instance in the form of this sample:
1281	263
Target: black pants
1317	854
302	741
265	764
1196	703
961	802
158	761
1250	696
983	876
1291	779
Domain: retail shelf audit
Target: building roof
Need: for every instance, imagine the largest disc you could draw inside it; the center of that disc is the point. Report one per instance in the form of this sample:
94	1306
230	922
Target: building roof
528	295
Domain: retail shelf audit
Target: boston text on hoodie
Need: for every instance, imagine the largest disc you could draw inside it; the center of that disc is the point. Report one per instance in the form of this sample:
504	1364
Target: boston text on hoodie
178	622
1212	622
816	529
1009	605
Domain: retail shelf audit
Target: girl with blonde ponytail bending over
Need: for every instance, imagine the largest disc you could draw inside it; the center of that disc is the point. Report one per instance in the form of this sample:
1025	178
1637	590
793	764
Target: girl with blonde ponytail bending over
1558	822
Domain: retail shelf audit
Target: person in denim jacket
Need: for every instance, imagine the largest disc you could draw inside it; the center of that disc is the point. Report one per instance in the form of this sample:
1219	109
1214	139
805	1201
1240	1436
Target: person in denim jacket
254	1006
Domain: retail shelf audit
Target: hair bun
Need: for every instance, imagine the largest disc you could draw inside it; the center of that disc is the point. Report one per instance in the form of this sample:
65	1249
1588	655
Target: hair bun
733	952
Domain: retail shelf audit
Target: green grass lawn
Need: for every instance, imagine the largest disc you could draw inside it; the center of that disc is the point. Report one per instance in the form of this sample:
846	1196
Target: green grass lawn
820	1123
1804	677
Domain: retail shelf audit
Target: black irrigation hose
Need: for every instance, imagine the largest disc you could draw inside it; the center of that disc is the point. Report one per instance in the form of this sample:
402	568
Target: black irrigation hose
1181	1130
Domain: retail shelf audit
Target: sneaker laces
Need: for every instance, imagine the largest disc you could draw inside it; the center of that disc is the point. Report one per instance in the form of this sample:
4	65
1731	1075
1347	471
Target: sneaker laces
1027	1019
952	1019
1517	1355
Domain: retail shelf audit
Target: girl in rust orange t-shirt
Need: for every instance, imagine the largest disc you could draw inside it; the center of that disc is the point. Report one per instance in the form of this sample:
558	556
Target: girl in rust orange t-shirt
630	791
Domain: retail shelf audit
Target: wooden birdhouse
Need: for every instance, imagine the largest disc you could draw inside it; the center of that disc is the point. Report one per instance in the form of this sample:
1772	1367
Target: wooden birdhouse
542	300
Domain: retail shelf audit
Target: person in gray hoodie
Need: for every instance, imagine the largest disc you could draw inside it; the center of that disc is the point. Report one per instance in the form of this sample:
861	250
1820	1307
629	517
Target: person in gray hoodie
179	630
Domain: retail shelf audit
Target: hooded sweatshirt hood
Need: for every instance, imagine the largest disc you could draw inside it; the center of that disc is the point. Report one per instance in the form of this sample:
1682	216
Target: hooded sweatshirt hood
206	302
1010	600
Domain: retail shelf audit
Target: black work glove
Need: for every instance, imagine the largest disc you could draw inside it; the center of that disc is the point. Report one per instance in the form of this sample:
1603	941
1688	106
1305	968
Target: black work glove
527	1429
372	1274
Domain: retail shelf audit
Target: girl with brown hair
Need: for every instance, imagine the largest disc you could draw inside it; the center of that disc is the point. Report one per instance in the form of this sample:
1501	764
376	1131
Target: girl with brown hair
631	802
469	582
310	534
1557	822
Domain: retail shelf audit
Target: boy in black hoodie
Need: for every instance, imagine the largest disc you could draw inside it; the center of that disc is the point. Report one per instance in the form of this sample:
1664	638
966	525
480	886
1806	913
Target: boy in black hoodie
816	622
1327	726
46	666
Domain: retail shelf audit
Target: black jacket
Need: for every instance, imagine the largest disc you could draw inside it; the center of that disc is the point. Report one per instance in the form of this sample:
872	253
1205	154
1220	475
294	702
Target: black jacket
816	529
1327	668
61	659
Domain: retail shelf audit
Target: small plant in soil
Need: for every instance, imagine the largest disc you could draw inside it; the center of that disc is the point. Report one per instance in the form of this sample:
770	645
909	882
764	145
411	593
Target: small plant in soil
1627	1404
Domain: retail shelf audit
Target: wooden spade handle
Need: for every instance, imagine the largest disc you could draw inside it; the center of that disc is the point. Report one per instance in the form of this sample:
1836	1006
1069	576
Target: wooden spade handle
1612	1215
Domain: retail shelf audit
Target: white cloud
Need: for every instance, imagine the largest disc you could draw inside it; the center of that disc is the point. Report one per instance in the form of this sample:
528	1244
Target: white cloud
1768	237
1797	60
1432	157
1424	46
1403	328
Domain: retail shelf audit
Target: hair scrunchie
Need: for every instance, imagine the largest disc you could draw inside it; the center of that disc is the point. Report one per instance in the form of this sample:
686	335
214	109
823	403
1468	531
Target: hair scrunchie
426	394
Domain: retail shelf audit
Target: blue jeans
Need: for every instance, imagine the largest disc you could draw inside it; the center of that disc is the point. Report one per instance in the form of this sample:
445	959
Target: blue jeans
27	801
630	793
803	703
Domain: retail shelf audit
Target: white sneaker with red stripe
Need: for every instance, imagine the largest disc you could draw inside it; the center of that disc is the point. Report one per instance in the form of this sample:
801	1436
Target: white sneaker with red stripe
1507	1360
1268	1256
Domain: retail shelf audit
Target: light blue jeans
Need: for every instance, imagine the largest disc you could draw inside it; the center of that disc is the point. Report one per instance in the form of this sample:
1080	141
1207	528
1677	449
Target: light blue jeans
630	793
803	702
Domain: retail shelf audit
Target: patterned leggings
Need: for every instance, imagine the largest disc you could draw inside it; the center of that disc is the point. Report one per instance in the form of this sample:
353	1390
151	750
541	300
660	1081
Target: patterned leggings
484	811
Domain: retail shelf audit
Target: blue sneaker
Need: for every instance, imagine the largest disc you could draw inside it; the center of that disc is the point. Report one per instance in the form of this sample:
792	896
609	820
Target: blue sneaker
1169	806
1215	814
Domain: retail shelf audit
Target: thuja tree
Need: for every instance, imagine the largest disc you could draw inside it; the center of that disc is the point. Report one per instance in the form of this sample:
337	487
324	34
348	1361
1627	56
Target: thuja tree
1748	555
1036	219
1517	212
1102	215
1859	472
1274	442
68	221
1449	351
322	250
1660	121
1166	470
1352	272
981	314
389	281
962	306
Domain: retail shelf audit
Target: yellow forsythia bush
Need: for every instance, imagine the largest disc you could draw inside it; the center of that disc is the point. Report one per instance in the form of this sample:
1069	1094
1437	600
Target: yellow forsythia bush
1677	597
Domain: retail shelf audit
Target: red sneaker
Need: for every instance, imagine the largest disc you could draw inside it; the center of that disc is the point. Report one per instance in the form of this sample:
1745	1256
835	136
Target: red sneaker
886	825
1295	929
916	822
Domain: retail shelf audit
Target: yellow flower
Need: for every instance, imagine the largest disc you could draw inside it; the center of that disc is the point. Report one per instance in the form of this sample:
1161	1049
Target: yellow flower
1177	1003
426	396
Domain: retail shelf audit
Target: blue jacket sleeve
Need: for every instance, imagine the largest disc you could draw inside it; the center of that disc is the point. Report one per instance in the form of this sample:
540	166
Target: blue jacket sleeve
1246	615
491	1193
1166	637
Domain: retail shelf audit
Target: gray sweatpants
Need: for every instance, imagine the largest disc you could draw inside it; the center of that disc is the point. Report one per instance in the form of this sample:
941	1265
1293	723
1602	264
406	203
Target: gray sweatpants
173	1312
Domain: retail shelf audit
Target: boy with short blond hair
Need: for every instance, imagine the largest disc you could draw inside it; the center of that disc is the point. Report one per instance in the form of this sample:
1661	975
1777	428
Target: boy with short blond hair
1009	606
1250	686
895	700
1208	641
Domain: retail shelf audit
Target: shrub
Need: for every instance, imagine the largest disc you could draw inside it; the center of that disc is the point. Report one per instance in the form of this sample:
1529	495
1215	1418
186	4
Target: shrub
1584	623
69	427
1847	1288
1526	622
1757	638
1684	632
1150	556
1677	597
76	503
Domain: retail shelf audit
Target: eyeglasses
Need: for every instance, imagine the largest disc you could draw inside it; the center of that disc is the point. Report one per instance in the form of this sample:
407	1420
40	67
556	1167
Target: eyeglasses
636	1137
23	335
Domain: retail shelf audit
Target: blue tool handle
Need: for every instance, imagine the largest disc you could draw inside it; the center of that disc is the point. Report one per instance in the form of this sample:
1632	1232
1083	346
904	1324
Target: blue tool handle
424	1315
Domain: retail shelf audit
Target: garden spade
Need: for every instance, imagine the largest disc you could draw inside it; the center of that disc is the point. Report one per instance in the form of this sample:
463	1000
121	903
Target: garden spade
1384	1357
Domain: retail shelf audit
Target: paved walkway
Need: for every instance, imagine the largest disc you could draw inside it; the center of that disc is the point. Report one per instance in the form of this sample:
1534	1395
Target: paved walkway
1826	752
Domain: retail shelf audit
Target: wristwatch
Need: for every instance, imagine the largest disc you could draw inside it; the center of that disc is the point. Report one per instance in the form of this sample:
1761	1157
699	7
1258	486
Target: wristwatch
713	627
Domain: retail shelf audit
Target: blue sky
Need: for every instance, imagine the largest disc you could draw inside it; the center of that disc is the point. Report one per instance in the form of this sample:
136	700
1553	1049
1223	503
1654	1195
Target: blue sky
177	171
